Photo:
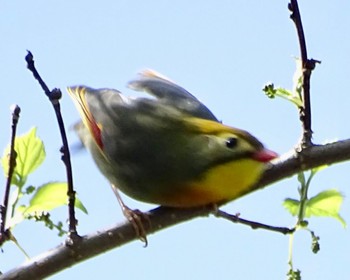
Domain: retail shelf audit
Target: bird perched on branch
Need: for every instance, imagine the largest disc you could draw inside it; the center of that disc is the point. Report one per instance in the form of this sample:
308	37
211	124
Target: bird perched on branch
170	149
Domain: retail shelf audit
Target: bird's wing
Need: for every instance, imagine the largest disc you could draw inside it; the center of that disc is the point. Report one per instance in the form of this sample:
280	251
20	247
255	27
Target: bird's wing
171	94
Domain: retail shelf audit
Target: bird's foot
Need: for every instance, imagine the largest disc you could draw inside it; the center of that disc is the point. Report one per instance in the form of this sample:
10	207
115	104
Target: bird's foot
137	218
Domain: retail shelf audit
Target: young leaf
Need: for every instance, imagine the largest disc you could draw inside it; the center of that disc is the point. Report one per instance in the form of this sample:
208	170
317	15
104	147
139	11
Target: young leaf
271	91
30	155
318	168
50	196
326	204
292	205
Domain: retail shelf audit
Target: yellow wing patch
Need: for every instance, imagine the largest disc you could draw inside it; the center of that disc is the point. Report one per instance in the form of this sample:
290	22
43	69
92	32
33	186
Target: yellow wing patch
78	96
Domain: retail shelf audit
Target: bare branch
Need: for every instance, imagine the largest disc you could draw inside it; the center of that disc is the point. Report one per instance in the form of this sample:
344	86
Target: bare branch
101	241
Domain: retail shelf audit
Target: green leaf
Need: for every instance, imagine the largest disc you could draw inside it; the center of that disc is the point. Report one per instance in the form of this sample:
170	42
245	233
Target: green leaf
318	169
30	155
50	196
292	205
271	91
326	204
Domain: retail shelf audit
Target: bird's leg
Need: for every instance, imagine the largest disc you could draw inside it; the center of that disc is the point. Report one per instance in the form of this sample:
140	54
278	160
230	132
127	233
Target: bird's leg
135	217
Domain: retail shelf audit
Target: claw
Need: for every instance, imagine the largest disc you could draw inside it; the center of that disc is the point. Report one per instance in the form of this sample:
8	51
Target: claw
135	217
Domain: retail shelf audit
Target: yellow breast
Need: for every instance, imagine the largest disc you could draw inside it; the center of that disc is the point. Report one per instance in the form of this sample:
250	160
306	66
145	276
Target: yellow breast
222	183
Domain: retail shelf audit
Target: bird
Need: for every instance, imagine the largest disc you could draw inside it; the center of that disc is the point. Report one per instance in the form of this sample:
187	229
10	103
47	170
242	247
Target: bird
167	149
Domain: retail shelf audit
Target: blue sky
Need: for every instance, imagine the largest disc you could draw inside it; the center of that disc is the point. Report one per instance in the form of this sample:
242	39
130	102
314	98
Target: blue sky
221	51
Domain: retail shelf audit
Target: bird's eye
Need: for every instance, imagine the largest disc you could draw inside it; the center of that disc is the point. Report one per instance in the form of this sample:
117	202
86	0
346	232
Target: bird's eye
231	142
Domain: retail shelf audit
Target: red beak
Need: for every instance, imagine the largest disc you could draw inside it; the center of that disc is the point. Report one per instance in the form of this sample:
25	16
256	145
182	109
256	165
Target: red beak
264	155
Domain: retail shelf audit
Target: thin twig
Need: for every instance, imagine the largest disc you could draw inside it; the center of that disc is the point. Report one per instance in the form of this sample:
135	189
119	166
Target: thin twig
295	16
4	234
307	66
254	225
55	96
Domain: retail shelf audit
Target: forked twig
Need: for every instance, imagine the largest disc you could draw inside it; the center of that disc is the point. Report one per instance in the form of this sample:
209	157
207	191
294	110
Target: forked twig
307	66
